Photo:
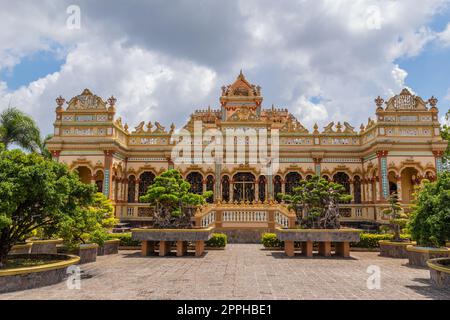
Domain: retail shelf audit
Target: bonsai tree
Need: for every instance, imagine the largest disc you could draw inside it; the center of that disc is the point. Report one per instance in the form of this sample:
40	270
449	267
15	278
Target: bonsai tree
88	223
173	204
318	200
35	193
430	220
398	219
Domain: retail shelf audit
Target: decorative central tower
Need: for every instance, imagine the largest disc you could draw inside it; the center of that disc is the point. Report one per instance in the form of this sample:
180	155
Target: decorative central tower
241	101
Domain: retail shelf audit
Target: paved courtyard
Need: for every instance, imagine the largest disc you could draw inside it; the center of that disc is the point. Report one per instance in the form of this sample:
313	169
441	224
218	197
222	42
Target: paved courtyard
242	271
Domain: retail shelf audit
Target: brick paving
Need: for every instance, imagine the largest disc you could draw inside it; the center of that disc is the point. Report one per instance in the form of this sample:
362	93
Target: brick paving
242	271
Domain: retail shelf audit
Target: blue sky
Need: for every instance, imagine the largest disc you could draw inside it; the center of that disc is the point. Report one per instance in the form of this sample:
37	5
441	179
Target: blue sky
320	59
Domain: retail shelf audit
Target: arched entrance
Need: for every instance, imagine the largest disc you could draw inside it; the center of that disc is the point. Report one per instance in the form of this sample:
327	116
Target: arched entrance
84	173
195	179
409	180
243	187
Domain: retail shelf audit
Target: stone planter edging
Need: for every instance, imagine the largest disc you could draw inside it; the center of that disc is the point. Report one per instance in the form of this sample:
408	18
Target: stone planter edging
21	248
44	246
418	256
393	249
109	247
439	273
38	276
88	252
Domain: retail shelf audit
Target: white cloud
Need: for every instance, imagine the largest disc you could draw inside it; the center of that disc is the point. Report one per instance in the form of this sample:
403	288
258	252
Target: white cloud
163	61
444	36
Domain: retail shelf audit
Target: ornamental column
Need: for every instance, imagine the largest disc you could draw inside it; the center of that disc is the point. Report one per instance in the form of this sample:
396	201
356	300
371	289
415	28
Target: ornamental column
107	173
399	187
383	175
438	161
352	190
217	180
136	191
318	166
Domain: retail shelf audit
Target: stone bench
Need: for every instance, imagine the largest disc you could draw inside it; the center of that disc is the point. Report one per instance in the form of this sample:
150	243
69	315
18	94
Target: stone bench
340	237
150	237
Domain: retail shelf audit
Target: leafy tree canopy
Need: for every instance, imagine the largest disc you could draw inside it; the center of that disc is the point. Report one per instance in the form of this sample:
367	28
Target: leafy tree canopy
35	193
430	220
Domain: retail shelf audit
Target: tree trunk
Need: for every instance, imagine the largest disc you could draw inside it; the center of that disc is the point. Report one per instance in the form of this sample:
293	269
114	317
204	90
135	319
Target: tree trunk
5	246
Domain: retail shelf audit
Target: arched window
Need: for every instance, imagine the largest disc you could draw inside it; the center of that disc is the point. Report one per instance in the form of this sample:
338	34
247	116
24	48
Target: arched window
326	177
225	188
343	179
292	181
99	181
262	188
308	177
243	187
210	187
196	181
277	189
145	181
131	189
357	189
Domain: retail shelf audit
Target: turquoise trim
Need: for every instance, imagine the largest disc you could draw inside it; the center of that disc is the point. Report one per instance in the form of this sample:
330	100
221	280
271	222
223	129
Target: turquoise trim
384	177
318	169
439	167
106	183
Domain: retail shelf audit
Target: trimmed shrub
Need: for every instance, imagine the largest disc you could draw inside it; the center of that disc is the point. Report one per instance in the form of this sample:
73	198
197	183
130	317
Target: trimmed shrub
370	240
270	240
218	240
125	239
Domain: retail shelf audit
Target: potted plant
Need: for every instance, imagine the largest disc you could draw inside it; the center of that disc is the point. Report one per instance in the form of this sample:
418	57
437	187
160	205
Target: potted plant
430	221
395	248
317	204
174	206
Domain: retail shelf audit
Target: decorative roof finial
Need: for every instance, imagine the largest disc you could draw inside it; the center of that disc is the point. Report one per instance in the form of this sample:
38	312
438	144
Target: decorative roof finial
433	101
60	101
112	101
379	101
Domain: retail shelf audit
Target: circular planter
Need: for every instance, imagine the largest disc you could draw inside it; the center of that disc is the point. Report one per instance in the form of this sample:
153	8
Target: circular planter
393	249
24	248
45	246
33	277
87	252
440	272
418	256
109	247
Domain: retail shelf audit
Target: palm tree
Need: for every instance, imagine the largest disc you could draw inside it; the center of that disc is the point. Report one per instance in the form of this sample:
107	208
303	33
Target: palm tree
43	150
17	127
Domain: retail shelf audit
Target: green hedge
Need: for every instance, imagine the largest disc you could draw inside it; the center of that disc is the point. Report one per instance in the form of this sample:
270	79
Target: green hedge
218	240
125	239
370	240
270	240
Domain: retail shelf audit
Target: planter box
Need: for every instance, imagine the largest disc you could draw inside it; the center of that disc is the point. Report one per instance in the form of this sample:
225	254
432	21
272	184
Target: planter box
324	238
39	276
150	237
87	253
109	247
24	248
418	256
45	246
440	272
394	249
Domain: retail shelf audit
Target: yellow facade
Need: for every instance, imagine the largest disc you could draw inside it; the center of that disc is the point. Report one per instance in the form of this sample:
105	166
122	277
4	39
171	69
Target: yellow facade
392	152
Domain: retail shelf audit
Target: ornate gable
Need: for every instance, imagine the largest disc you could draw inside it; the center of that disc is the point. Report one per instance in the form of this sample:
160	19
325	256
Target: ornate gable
405	101
86	101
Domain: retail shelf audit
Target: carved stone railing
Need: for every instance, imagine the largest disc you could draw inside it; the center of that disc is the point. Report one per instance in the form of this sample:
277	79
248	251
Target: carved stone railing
223	215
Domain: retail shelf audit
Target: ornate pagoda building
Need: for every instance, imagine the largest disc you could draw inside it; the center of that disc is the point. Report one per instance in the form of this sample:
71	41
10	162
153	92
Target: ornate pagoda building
391	153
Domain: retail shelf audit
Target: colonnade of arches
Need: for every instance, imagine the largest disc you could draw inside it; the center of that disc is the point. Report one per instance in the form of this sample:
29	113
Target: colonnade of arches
246	186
